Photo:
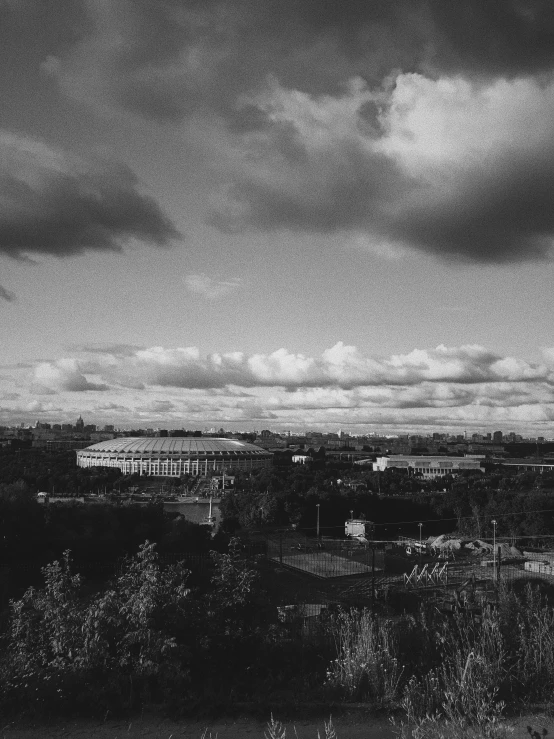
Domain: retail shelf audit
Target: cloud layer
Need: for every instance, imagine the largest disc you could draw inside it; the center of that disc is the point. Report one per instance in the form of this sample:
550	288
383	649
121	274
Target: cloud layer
341	366
447	386
421	123
462	171
172	59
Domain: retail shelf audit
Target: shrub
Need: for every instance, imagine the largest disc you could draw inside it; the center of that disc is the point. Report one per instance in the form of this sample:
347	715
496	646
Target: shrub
61	647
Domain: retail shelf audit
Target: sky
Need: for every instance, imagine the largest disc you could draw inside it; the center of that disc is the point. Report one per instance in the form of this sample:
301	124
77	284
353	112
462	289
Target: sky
285	214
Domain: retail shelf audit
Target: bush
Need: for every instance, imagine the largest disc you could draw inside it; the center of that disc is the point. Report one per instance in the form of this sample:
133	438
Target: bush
60	646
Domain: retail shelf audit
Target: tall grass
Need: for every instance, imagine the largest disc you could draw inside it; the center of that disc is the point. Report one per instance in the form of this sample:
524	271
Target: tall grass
449	669
276	730
367	665
459	697
451	676
534	636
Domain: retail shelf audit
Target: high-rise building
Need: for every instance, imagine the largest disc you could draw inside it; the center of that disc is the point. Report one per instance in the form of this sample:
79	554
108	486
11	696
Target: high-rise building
497	437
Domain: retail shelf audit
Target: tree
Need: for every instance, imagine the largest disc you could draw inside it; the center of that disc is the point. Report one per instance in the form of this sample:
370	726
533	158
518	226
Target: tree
126	633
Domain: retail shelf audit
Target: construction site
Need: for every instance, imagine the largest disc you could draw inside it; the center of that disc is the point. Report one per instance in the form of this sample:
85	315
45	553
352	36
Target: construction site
310	574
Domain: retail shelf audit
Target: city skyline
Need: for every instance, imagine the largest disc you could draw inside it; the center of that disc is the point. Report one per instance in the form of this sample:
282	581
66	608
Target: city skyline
249	214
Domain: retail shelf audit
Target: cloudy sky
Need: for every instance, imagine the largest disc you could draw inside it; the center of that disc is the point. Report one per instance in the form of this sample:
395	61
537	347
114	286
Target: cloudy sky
278	213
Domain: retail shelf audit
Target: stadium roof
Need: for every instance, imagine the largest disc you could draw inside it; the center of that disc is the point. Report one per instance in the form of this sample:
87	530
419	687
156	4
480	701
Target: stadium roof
189	445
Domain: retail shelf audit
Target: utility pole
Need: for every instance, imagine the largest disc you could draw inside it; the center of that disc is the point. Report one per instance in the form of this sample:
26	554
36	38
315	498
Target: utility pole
373	574
494	546
317	527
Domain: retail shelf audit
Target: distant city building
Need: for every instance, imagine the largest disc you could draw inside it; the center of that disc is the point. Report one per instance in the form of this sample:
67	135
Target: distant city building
101	436
427	467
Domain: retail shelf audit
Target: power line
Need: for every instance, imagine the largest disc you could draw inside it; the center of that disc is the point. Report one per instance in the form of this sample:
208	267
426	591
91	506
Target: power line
449	518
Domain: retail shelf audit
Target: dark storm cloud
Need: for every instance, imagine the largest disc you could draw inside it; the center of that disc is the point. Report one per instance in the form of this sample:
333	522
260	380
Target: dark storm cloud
179	58
499	37
167	60
340	189
55	203
502	215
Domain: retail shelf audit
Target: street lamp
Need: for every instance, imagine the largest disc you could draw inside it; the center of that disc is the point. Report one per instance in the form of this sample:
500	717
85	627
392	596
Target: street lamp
494	547
420	527
317	530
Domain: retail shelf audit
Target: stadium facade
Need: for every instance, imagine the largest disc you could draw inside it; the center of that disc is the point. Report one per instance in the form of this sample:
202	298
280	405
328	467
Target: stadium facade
174	456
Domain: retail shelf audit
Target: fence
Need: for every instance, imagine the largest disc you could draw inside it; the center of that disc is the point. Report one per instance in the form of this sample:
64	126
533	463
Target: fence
296	569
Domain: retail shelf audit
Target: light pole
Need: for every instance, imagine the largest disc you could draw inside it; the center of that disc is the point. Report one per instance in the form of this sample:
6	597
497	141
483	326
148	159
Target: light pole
317	528
494	547
420	527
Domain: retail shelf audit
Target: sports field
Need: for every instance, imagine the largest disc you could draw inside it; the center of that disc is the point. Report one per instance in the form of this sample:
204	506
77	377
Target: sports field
323	564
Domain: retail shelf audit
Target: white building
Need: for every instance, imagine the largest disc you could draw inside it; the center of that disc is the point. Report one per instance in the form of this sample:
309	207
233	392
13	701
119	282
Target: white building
427	467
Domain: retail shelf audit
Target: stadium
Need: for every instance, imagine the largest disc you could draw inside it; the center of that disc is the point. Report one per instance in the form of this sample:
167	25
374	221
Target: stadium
174	456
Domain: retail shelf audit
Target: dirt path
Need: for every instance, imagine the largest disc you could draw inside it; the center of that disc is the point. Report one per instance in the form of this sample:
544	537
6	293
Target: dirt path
346	728
355	726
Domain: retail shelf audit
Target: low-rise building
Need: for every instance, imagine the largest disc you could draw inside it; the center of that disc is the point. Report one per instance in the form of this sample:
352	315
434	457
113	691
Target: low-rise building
427	467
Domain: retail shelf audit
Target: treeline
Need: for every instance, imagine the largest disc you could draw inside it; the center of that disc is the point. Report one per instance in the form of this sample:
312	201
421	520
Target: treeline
54	472
276	497
30	531
522	503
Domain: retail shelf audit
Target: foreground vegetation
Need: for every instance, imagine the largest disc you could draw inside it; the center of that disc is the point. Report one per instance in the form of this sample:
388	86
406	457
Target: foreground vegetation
147	639
157	636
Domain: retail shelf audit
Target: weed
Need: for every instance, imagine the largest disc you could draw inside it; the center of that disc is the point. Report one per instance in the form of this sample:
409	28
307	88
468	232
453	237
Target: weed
366	667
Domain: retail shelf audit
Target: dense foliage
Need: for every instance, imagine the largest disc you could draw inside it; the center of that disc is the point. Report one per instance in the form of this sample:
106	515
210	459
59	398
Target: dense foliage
522	503
147	639
155	633
144	639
